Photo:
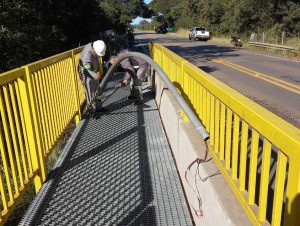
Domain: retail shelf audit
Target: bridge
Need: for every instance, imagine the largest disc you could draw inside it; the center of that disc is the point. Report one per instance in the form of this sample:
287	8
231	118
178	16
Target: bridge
144	165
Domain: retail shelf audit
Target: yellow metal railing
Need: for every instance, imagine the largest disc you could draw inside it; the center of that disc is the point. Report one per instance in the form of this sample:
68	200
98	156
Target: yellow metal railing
242	137
37	104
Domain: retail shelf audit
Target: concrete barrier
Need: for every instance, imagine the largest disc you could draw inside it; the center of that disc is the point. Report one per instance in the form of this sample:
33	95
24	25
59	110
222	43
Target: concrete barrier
216	200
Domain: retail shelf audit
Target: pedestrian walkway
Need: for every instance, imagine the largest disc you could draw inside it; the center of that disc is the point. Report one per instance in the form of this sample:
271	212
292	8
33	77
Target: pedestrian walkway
115	170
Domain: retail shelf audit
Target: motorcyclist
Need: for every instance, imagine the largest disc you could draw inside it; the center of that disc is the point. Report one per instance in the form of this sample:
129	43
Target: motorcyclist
236	41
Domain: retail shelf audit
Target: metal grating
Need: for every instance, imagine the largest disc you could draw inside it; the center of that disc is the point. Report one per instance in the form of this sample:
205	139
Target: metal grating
115	170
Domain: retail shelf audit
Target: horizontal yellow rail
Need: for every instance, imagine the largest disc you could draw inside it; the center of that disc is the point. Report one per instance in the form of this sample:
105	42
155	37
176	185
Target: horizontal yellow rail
37	104
243	138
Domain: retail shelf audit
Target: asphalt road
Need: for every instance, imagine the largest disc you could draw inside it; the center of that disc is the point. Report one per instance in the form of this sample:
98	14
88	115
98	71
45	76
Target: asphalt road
270	81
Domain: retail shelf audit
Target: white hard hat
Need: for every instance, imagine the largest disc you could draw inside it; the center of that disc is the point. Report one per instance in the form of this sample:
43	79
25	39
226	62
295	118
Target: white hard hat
99	47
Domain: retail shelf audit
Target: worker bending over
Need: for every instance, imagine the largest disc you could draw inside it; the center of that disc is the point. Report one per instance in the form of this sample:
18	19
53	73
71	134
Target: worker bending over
133	76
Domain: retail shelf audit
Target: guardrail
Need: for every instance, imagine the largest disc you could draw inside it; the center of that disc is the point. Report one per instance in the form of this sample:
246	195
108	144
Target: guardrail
38	103
242	133
271	46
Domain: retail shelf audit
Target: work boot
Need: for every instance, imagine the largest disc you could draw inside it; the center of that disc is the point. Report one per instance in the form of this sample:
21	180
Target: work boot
89	114
131	97
102	109
138	102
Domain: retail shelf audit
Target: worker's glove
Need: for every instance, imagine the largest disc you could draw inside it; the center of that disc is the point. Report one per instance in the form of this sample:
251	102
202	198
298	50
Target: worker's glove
97	76
124	82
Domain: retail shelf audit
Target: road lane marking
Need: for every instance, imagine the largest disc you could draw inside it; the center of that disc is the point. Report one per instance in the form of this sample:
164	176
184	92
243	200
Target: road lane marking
278	82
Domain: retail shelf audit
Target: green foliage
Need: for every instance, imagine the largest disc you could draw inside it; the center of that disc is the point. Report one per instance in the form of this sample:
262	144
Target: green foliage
291	18
232	16
23	34
34	29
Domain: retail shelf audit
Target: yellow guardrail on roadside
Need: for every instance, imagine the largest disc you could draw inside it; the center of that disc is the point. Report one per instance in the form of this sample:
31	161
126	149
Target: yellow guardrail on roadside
37	104
243	136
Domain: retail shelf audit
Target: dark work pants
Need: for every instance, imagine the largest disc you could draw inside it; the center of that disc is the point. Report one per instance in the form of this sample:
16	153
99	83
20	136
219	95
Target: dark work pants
136	83
91	85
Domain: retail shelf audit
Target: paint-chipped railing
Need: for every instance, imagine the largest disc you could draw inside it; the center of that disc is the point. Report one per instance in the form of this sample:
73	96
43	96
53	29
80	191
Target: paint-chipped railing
38	103
243	137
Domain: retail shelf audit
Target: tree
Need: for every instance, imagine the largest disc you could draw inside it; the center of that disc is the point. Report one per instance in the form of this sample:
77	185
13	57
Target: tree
291	18
24	36
34	29
121	12
232	16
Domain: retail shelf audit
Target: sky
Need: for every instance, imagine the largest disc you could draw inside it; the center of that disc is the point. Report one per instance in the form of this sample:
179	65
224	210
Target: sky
139	19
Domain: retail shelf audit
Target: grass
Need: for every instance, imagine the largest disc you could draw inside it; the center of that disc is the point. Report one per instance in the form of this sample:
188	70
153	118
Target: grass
225	40
294	55
222	40
181	33
293	42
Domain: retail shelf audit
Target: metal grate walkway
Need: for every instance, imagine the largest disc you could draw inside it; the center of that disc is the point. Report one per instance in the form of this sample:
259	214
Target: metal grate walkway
115	170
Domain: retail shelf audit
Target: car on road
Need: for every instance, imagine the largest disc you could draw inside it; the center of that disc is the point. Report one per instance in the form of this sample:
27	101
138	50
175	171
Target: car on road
199	33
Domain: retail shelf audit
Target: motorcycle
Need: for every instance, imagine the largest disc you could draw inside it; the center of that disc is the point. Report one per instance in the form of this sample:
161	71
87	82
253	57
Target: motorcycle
236	41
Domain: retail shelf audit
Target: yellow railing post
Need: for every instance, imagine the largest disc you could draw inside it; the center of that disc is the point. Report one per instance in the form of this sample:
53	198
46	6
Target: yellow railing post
33	129
151	49
184	84
76	89
291	217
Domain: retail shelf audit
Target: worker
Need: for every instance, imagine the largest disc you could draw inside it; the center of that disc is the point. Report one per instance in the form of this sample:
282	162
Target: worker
136	70
89	72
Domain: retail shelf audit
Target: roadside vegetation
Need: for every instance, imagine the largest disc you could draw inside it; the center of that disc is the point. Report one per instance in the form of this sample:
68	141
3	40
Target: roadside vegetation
272	21
231	16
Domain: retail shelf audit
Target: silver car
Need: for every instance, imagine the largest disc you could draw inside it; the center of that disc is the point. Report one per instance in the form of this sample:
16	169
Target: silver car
199	33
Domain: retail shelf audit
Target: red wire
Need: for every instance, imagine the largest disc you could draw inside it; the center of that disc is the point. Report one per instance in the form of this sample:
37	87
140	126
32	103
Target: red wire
199	211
